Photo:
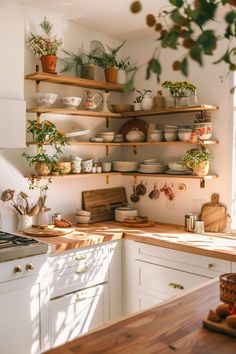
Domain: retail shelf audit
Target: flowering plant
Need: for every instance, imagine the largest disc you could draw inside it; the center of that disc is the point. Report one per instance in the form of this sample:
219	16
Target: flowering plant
194	157
178	88
45	44
22	205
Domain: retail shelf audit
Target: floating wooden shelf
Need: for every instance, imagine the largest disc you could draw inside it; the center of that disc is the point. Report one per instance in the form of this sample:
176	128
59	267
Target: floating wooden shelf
171	110
73	112
165	175
74	81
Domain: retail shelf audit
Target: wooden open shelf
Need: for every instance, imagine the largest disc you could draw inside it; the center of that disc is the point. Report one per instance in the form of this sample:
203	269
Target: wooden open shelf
165	175
74	81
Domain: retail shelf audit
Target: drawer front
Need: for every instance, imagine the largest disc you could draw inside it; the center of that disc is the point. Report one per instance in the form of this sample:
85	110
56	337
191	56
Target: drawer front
193	263
145	301
74	278
24	267
153	279
77	257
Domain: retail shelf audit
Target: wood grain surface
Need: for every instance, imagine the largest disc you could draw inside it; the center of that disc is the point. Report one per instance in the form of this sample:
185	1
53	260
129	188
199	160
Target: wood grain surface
214	215
172	327
221	327
33	231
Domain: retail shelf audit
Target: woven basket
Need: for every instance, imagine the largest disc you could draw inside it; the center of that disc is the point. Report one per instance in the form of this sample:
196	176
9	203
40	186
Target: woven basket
228	288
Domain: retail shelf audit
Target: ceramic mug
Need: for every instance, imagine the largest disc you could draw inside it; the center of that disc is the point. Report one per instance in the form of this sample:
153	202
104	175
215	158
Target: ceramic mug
106	166
87	166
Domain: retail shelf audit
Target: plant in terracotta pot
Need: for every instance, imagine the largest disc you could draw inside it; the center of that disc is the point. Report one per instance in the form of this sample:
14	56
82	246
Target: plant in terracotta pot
198	160
45	46
82	62
45	133
203	125
179	91
106	59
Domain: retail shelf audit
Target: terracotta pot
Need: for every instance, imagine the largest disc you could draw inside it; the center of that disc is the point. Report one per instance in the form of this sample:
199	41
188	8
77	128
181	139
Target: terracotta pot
49	63
42	169
111	74
88	71
202	169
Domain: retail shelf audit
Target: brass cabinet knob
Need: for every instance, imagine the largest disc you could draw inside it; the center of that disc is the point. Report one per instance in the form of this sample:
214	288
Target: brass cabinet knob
29	267
176	286
82	270
17	269
80	257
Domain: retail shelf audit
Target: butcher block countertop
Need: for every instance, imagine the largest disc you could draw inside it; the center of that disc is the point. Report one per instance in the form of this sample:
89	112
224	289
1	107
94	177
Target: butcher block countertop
221	246
175	326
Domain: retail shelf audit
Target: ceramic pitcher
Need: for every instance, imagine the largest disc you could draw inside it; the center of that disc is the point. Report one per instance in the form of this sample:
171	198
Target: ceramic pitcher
92	100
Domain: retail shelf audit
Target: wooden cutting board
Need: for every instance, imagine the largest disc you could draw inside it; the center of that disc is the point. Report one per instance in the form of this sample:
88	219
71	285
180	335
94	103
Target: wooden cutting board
34	232
102	202
221	327
214	215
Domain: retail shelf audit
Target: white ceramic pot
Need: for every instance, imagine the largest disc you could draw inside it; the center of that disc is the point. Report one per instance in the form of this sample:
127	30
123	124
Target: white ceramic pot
147	103
203	130
124	212
135	135
121	77
137	106
24	222
43	217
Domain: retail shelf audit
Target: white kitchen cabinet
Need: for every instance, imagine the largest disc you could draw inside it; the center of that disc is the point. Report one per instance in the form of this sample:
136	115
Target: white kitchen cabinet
23	306
153	273
74	314
12	104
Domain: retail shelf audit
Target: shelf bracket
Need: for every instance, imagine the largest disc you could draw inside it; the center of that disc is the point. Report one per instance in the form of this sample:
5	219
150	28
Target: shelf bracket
202	183
107	122
107	179
135	149
38	117
107	150
135	179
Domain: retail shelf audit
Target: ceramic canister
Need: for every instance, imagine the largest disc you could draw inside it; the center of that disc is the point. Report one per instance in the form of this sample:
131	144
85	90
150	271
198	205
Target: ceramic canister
124	212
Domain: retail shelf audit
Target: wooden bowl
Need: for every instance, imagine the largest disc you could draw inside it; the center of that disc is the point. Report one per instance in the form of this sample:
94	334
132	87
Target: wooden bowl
228	288
121	108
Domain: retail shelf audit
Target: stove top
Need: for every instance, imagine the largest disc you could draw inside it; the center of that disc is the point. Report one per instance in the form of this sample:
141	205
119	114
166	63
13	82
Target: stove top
13	247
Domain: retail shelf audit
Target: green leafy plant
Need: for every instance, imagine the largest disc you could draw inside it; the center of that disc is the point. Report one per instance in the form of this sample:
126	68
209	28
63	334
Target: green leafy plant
189	25
140	96
45	44
45	132
178	88
194	157
104	59
126	64
75	60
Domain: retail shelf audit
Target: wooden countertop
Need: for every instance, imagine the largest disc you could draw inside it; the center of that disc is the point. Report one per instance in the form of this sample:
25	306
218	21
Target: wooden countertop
220	245
173	326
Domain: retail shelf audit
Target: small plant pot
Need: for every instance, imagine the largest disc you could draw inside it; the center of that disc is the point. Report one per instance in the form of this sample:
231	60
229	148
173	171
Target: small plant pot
42	169
49	63
202	169
121	77
88	71
137	106
111	74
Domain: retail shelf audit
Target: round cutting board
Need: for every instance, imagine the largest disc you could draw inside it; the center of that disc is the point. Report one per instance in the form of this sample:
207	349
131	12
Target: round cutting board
34	232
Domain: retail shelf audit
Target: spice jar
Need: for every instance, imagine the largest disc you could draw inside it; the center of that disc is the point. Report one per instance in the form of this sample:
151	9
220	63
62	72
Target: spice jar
99	168
94	168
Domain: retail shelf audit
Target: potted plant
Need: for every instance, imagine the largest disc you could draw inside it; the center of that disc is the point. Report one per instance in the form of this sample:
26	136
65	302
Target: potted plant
203	125
83	63
106	60
124	66
45	132
198	160
45	46
139	98
179	91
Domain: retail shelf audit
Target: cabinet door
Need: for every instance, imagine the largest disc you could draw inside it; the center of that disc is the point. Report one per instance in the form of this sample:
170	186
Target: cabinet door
20	317
74	314
144	301
116	279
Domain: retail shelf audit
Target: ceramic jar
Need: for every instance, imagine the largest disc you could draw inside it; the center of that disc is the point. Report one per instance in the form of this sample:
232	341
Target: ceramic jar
24	222
43	217
147	103
87	166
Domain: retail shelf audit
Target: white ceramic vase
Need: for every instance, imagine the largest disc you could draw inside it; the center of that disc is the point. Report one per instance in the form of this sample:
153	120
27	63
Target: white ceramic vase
43	217
24	222
147	103
105	106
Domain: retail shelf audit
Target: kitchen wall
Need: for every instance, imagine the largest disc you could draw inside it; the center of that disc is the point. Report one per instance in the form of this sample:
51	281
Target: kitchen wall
64	194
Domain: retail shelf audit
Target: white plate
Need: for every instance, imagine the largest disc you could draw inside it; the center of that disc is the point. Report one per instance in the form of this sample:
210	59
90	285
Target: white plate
149	171
74	134
174	172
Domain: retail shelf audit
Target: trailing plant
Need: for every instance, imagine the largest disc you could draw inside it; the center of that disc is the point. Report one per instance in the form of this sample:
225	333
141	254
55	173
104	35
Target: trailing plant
195	156
178	88
189	25
104	58
126	64
45	44
141	94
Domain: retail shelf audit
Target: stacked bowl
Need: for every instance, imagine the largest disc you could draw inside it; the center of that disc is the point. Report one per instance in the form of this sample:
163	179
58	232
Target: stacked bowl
184	134
170	132
82	216
107	137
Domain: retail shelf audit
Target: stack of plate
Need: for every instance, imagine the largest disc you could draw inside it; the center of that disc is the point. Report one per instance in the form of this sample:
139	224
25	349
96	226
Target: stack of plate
178	168
152	167
125	166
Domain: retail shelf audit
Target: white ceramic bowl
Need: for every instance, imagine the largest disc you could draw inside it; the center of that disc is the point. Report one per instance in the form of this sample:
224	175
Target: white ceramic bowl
71	102
170	136
156	135
176	166
106	136
82	212
184	135
82	219
45	99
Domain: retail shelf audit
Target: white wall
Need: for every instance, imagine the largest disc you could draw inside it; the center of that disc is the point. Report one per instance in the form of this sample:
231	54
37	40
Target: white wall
64	195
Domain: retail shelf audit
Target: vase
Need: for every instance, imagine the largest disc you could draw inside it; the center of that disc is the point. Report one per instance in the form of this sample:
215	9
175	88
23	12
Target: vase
105	106
180	100
147	103
43	217
202	169
24	222
49	63
42	169
111	74
87	71
121	77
